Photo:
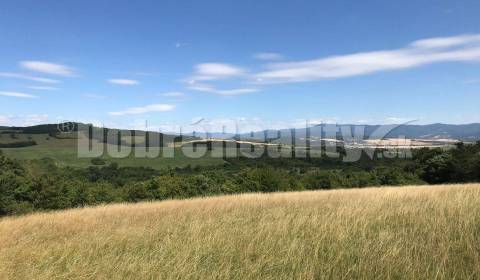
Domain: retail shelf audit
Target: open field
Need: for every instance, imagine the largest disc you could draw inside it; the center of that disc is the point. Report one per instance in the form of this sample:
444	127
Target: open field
63	149
67	156
374	233
64	152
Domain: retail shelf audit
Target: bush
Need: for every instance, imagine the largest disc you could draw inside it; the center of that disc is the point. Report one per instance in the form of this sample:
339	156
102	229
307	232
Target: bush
19	144
97	161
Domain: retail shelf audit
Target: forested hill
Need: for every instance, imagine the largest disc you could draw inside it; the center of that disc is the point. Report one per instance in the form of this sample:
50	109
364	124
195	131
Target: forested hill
63	129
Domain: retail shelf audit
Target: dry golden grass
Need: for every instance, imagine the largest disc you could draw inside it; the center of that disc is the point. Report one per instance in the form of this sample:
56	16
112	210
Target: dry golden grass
382	233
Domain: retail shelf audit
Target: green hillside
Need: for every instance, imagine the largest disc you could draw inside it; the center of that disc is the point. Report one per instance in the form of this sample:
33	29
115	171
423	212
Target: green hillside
46	141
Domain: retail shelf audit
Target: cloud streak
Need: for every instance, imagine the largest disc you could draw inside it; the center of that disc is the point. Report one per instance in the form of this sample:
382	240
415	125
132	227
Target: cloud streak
24	120
42	88
145	109
224	92
268	56
463	48
27	77
48	68
16	94
173	94
216	71
123	82
94	96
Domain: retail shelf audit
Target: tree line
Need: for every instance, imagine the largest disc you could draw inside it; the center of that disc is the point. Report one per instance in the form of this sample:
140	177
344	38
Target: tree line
27	186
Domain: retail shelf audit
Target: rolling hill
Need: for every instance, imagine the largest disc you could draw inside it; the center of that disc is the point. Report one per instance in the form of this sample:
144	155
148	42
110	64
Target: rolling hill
49	141
375	233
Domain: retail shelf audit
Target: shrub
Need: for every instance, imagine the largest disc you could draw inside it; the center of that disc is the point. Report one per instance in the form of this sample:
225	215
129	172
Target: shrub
97	161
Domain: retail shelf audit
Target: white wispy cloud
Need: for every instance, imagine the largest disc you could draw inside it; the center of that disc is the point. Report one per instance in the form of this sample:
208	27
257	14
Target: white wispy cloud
173	94
268	56
463	48
237	91
16	94
4	120
145	109
94	96
27	77
396	120
42	88
216	71
48	68
24	120
123	82
224	92
35	119
248	124
445	42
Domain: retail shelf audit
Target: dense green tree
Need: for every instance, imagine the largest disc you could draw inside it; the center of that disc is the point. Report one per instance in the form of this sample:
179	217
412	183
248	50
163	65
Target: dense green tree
27	186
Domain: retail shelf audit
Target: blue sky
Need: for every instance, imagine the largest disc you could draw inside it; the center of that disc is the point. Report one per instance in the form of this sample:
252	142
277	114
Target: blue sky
275	63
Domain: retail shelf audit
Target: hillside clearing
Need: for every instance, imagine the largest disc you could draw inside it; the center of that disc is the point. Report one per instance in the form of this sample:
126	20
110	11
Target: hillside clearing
383	233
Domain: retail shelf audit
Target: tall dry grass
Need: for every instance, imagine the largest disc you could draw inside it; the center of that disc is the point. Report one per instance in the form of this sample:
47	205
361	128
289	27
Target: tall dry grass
375	233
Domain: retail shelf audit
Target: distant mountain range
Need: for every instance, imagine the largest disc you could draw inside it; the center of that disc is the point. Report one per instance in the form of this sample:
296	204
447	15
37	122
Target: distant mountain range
463	132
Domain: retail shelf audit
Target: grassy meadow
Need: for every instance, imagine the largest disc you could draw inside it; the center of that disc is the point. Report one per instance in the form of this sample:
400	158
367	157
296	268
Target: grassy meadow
68	157
64	152
430	232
